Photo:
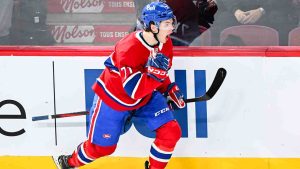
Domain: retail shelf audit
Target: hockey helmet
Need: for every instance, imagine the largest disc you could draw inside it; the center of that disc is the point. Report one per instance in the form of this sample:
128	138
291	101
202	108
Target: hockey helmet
156	12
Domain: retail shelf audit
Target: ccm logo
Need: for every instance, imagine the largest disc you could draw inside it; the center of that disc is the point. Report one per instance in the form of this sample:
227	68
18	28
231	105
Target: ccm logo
156	71
161	111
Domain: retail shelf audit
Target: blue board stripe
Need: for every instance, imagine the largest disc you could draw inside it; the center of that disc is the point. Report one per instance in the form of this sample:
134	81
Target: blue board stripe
181	114
201	107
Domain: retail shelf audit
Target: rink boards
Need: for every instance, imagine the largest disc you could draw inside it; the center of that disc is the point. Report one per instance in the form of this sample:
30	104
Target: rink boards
252	120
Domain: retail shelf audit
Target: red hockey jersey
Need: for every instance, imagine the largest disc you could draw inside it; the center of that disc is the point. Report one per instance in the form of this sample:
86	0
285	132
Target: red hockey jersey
124	83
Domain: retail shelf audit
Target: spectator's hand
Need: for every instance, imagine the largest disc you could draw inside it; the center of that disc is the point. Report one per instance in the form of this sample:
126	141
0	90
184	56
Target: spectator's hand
158	66
240	16
253	16
175	96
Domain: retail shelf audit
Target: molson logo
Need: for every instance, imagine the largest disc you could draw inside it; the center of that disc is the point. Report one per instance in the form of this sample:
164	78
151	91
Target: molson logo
70	6
69	34
89	33
90	6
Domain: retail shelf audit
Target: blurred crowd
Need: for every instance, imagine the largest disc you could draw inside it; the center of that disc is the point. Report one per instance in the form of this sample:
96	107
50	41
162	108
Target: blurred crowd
199	22
23	22
283	16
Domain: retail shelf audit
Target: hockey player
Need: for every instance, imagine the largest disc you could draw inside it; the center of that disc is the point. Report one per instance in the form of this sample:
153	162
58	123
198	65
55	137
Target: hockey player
135	82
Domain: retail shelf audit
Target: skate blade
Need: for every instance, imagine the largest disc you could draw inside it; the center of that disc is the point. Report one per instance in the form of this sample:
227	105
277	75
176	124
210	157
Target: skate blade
55	160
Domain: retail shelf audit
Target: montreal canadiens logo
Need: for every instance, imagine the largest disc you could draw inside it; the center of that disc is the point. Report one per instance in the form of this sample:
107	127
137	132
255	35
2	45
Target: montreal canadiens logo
107	136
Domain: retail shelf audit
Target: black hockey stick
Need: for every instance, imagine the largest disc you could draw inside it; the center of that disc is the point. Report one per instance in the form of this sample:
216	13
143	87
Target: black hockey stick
216	84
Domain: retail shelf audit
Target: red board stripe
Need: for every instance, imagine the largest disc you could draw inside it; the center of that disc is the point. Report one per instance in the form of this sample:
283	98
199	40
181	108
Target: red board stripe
217	51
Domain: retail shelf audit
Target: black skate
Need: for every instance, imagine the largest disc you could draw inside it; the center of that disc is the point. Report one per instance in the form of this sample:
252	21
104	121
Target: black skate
146	164
62	162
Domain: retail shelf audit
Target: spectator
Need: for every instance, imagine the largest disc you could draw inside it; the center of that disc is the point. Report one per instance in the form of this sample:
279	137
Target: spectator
275	14
29	23
193	18
6	9
296	4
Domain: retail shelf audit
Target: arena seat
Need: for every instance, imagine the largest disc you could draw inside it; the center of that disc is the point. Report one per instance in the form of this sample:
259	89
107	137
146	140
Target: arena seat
294	37
249	35
203	40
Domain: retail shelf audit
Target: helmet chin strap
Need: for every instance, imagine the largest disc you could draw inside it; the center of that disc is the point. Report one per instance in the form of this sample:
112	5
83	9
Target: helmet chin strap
155	37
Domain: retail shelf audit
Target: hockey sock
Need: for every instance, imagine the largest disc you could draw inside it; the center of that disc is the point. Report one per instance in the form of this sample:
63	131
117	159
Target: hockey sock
164	144
87	152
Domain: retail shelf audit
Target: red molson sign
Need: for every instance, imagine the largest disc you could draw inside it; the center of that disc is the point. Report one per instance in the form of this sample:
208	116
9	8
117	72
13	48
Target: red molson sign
89	33
91	6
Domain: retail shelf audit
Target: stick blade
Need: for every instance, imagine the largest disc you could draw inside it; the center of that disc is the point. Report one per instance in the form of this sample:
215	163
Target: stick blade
217	82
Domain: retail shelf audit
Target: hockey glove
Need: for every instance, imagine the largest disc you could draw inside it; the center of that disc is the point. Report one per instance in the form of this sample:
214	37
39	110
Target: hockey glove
176	97
158	66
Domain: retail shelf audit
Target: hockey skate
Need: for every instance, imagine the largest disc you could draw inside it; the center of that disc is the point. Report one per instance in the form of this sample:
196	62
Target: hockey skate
62	162
146	164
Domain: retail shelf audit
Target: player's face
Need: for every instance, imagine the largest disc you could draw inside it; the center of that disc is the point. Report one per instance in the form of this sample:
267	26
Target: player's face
165	30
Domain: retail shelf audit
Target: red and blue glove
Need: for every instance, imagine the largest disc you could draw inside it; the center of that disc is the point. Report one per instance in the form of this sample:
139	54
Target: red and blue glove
158	66
176	96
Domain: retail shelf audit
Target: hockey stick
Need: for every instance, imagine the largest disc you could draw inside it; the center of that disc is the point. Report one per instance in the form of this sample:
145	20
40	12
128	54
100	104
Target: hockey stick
216	84
63	115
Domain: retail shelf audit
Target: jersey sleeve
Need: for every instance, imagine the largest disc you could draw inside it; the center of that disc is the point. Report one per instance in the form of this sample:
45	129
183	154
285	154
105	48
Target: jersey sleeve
137	85
135	81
